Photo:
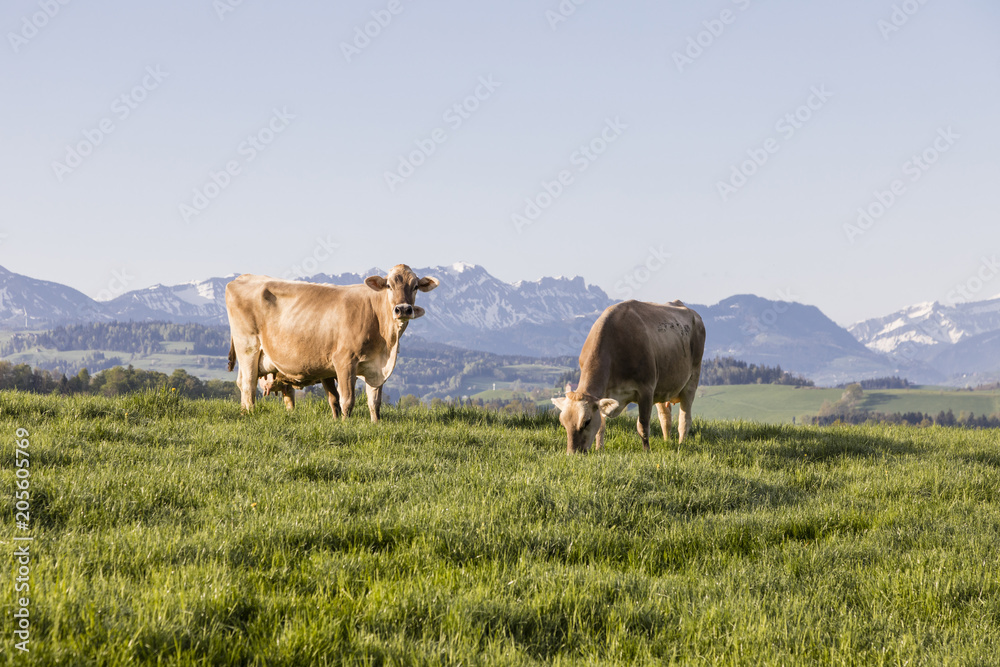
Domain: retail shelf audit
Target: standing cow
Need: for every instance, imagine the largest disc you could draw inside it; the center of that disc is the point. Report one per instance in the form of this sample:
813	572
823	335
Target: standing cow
636	352
304	333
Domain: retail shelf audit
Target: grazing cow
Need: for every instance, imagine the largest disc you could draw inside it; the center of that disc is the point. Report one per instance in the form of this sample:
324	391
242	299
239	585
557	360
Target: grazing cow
636	352
294	334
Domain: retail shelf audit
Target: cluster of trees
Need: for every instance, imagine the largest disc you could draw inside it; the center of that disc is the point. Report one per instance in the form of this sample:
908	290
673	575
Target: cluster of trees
95	361
729	370
893	382
943	418
725	370
142	338
110	382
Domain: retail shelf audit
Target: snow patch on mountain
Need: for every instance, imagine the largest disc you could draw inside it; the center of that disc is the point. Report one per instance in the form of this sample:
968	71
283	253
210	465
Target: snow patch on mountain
922	330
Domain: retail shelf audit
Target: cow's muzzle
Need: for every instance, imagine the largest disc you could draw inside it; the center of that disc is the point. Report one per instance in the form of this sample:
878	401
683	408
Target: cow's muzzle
403	311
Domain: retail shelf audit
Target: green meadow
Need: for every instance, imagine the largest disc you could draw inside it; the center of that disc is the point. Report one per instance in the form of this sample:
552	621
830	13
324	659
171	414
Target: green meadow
173	531
779	404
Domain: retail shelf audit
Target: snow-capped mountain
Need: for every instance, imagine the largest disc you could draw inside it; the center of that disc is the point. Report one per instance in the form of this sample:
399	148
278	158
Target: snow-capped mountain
203	302
924	330
27	303
469	297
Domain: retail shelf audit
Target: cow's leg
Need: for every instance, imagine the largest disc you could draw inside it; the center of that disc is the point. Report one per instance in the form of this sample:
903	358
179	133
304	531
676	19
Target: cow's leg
347	377
663	411
687	400
599	440
332	397
374	401
645	404
288	393
248	356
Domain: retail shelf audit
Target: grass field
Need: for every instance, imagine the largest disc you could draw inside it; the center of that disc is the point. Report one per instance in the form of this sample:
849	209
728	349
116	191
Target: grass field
169	531
779	404
764	403
932	400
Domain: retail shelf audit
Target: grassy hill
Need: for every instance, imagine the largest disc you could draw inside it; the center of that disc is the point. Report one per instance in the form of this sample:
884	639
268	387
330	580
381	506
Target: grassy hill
761	403
182	532
932	400
779	404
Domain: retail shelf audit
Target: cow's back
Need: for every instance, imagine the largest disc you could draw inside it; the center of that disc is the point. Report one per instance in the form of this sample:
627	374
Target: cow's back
636	343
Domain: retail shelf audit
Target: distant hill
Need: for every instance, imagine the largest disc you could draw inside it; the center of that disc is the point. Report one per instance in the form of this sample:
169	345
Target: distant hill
799	338
27	303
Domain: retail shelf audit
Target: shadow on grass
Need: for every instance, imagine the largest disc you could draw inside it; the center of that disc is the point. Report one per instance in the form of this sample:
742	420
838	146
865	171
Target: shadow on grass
806	443
471	416
987	458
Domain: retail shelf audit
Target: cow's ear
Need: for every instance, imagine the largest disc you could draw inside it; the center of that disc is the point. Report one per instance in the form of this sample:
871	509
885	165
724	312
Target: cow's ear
417	312
377	283
427	284
560	403
607	406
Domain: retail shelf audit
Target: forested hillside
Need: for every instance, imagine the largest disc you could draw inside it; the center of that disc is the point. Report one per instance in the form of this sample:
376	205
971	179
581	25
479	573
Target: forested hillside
131	337
729	370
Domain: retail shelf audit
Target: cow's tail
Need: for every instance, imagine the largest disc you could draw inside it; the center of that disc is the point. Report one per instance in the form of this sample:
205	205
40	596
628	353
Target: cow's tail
232	354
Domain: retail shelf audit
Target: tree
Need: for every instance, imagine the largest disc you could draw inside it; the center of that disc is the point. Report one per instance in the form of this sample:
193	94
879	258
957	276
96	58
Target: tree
408	401
853	394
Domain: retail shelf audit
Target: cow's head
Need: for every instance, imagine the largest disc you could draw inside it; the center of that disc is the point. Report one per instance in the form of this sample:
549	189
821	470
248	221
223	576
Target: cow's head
582	415
401	286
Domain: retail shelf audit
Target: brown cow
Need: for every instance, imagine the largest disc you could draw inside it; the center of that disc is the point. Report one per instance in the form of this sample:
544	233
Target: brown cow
305	333
636	352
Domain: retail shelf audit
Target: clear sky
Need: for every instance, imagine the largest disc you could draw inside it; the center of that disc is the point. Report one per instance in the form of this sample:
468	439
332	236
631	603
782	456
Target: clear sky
660	150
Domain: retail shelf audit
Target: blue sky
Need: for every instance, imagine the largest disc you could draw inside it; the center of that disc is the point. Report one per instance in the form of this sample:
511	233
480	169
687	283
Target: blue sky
660	150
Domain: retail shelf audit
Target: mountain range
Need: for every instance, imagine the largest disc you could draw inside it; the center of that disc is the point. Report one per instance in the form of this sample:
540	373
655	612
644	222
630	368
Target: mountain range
926	343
